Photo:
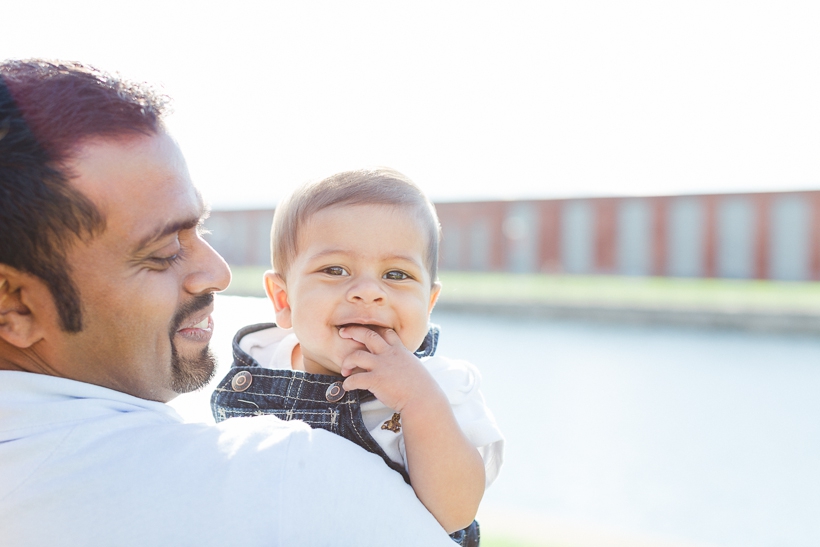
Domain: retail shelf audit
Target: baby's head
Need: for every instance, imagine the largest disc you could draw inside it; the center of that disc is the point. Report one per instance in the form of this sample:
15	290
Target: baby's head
359	247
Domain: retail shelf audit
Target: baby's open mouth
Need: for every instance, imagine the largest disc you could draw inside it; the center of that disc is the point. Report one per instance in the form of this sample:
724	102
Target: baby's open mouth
374	328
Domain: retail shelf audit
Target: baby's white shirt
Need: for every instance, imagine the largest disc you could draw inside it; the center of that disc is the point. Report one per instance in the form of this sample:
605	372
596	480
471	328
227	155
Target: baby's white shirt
272	348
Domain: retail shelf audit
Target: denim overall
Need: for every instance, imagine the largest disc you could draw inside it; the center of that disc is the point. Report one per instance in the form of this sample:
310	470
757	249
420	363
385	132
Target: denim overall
250	390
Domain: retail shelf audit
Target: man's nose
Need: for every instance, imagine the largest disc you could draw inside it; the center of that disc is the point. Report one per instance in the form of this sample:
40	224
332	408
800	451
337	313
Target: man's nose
209	271
366	290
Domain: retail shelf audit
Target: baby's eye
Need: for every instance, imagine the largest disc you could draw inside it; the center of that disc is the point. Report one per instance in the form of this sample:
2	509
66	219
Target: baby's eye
396	275
335	270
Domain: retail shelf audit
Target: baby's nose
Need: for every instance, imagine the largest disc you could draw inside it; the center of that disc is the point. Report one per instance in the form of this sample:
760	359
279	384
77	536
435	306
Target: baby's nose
367	291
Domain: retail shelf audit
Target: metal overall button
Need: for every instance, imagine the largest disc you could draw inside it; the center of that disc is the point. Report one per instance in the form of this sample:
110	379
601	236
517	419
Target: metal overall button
335	392
242	380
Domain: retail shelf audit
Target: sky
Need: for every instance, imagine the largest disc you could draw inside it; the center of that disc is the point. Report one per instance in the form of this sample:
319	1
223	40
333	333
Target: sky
473	100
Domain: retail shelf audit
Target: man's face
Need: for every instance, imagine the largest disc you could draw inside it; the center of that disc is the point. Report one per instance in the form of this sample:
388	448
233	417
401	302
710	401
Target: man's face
360	264
146	283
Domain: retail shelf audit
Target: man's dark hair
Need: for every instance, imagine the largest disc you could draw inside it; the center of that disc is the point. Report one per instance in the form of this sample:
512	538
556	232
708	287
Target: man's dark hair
47	109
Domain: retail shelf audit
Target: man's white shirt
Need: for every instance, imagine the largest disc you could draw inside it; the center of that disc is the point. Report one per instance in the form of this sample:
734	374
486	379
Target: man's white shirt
85	465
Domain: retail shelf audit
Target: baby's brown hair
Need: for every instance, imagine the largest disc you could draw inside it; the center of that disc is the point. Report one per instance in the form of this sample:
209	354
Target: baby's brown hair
377	186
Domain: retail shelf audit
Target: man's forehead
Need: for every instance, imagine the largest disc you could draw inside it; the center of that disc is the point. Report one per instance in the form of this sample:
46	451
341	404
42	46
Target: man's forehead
139	183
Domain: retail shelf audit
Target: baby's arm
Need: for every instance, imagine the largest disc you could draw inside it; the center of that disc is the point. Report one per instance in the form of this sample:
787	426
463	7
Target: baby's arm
446	470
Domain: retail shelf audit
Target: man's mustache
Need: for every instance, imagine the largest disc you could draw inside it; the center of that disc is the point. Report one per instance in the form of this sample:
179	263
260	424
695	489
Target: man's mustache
185	311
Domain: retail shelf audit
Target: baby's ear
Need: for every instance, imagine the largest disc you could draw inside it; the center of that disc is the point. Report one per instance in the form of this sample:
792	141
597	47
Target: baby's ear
278	294
434	292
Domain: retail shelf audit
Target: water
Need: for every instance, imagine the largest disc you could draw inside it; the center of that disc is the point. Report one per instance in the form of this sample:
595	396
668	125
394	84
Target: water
708	437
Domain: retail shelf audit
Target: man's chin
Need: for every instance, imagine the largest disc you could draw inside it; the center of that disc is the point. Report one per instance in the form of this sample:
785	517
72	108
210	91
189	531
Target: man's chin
191	373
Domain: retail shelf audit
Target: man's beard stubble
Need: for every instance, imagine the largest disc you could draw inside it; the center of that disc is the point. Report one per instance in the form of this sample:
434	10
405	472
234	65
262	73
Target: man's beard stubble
191	373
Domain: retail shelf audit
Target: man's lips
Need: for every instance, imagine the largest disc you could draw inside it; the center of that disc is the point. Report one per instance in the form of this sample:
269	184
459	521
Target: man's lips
199	327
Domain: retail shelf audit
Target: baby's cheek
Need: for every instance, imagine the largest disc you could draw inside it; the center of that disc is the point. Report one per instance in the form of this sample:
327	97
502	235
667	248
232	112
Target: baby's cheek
413	343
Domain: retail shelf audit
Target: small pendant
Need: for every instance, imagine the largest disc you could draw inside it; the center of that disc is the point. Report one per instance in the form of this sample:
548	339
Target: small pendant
393	424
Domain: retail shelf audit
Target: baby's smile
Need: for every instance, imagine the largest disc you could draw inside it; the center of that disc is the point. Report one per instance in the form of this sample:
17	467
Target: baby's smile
378	328
372	326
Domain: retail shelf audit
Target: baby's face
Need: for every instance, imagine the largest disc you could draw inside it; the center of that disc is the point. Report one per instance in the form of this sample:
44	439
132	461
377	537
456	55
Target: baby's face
357	265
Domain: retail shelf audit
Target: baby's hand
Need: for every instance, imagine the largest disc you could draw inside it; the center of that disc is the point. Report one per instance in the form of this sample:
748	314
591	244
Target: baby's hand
387	369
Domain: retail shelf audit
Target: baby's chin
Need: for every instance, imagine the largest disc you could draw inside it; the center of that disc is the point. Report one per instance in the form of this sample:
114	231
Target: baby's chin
321	365
314	368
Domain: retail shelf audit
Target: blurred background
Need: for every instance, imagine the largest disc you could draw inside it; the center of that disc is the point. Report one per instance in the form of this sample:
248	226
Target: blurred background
630	200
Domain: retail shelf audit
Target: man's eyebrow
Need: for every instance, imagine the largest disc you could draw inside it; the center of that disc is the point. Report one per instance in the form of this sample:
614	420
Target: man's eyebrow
172	228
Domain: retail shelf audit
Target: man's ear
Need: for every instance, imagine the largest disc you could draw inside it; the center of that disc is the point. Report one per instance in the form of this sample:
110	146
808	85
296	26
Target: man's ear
20	295
278	294
434	292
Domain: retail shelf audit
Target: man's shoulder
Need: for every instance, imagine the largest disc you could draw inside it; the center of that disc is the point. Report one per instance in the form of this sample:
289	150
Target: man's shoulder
214	471
258	433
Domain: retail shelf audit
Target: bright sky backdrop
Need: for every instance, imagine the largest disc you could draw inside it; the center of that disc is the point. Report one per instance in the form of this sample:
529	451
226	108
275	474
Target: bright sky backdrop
473	100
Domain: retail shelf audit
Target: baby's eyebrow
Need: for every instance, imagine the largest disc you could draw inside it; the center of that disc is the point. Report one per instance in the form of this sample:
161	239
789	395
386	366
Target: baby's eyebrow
402	258
384	258
328	252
